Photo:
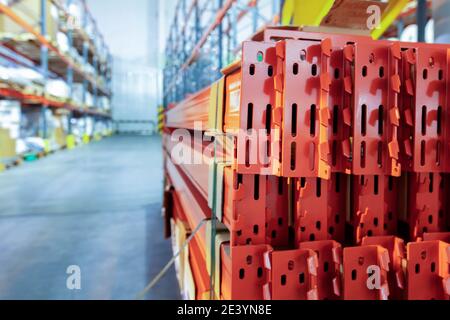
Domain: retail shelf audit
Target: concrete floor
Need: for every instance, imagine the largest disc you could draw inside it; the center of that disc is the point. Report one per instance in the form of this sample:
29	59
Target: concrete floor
98	207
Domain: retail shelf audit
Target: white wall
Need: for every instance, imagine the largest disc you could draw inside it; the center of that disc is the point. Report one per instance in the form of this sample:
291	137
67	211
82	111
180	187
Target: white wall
135	31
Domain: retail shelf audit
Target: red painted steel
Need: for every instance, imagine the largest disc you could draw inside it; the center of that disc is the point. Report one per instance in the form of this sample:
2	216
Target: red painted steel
440	236
320	208
189	112
397	256
375	206
193	155
425	108
428	270
340	123
256	102
194	205
329	256
277	211
302	84
375	89
292	275
426	203
244	207
357	261
243	272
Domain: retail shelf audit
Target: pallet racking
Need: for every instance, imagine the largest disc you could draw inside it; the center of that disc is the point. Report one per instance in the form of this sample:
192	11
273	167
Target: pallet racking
346	186
86	62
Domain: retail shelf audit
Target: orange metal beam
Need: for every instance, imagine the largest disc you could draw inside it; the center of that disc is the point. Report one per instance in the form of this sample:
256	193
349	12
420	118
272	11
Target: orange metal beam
34	99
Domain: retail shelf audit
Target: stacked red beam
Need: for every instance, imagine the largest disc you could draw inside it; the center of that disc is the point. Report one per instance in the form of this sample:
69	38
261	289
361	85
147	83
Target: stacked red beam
325	147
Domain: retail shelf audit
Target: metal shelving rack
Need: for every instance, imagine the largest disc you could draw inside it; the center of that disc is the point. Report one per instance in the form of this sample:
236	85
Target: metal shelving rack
198	50
276	227
43	55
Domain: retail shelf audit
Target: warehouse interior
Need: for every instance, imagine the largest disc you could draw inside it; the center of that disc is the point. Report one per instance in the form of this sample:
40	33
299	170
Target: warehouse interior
224	150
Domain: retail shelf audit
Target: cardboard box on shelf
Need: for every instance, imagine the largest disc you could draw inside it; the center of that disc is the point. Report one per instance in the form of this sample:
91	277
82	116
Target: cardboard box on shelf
60	137
7	144
60	124
30	12
338	17
10	115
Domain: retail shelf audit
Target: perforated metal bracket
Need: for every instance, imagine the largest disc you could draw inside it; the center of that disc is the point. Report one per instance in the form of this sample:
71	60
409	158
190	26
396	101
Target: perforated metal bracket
363	262
256	105
428	270
293	275
329	255
245	207
339	129
302	115
424	134
320	208
426	203
373	82
277	211
375	206
397	255
248	273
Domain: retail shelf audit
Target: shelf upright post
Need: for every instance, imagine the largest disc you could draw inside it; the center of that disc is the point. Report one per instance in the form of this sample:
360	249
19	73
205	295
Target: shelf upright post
421	19
108	71
44	65
177	54
197	35
70	68
171	53
184	89
276	4
85	62
255	17
220	39
400	27
228	37
95	83
234	23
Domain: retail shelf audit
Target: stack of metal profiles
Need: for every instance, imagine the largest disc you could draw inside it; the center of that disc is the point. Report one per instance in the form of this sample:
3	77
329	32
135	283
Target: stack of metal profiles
324	173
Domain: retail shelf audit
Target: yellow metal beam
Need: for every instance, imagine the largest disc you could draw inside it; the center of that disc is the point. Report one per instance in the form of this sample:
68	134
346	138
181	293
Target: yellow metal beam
305	12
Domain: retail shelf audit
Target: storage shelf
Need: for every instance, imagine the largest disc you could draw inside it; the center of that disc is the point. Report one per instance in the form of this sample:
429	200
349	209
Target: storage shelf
46	100
58	62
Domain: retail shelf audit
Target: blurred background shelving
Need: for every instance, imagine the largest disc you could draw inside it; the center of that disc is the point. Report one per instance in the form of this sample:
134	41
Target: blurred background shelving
55	77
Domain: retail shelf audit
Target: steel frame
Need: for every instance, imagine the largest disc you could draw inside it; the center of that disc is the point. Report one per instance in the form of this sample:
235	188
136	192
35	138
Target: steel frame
428	270
356	262
268	207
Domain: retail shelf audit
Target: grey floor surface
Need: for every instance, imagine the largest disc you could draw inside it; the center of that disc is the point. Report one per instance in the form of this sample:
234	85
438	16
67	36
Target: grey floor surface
97	207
